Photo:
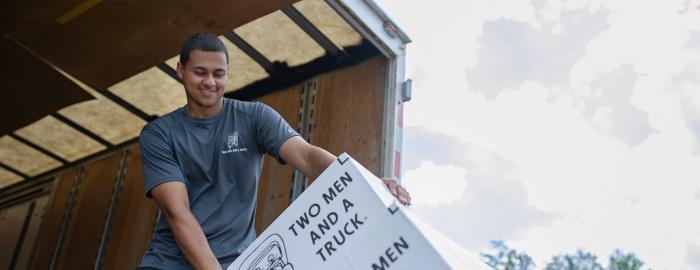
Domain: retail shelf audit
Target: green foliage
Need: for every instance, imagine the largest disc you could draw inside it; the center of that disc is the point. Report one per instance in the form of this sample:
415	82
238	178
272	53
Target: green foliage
621	261
582	260
505	258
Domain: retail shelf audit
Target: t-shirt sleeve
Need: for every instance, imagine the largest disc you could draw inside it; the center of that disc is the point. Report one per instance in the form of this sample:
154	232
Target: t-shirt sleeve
158	161
272	130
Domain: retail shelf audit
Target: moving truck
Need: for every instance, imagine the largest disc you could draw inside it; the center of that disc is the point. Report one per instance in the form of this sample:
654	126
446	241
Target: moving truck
94	73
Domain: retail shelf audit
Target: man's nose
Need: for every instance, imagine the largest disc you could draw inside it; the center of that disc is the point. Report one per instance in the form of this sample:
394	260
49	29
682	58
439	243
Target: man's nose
209	81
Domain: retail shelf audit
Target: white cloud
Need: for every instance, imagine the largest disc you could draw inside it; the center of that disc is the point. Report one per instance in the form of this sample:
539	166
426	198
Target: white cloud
693	41
512	52
445	35
632	38
608	107
492	207
600	117
689	5
610	196
692	256
686	85
434	185
494	204
550	156
422	145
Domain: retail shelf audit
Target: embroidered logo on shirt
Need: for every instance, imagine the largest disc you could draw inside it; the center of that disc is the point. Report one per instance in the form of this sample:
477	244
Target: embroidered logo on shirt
232	141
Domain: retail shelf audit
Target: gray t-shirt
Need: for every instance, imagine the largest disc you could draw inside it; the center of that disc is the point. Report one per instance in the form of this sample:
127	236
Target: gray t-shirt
219	160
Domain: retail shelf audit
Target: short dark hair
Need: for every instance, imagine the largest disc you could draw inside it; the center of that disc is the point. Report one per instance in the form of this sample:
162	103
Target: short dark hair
202	41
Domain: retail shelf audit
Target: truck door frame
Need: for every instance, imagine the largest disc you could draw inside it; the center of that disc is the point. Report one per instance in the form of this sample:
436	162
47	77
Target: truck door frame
373	24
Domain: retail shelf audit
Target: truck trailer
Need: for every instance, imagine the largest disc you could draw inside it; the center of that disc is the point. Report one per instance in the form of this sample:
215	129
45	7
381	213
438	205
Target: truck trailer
83	77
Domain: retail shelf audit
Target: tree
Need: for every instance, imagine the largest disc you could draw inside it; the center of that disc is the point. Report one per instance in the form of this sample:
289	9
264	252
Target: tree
582	260
622	261
506	258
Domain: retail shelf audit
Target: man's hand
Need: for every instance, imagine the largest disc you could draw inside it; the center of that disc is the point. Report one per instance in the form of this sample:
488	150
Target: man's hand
398	191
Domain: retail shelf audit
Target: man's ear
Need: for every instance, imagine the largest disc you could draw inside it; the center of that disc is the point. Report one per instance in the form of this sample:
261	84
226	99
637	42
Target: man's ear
180	70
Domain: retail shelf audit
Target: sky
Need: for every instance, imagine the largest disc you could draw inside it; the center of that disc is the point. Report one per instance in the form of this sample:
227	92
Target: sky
556	125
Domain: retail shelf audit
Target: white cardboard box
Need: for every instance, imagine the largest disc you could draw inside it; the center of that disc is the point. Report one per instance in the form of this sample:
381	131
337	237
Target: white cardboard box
347	219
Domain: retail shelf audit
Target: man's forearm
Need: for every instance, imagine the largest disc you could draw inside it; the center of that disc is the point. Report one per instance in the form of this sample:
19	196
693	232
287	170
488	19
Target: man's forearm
191	240
318	159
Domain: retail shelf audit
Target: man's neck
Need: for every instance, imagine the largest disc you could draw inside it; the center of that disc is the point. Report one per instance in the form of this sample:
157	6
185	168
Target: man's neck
196	111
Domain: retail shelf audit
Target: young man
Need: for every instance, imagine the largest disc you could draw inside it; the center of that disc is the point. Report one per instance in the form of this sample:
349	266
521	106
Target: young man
202	163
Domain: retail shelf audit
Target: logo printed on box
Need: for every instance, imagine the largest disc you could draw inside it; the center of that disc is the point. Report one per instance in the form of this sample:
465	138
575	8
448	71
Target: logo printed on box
271	254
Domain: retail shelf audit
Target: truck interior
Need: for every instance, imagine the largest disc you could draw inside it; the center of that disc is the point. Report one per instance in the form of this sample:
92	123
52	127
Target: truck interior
82	77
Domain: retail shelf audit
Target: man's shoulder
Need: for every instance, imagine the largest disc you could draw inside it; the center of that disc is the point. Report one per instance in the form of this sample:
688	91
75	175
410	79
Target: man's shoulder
245	107
162	124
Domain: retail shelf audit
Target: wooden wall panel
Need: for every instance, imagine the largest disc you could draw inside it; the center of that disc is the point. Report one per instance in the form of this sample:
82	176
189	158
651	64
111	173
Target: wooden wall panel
348	117
349	112
32	233
11	221
83	236
274	188
54	216
133	220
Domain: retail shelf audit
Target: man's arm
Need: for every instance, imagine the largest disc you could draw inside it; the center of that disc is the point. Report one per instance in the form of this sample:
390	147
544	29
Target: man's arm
312	161
174	204
308	159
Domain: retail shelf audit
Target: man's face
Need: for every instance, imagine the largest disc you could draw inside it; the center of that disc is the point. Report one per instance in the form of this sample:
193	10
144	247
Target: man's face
204	77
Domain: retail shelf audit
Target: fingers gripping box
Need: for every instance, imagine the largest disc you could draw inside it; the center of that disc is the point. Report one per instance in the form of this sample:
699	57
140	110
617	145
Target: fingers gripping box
347	219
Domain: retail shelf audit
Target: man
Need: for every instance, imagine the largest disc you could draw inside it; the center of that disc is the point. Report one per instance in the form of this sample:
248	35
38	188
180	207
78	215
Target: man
202	163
